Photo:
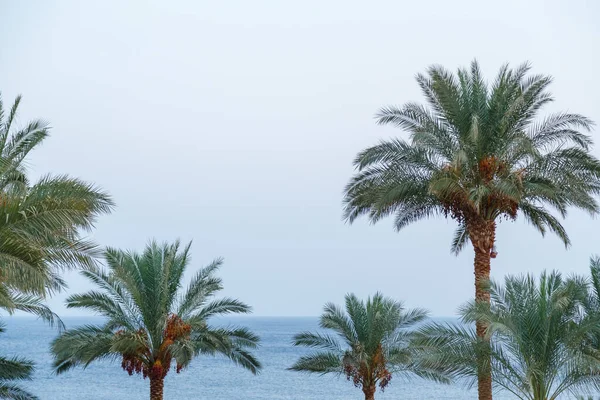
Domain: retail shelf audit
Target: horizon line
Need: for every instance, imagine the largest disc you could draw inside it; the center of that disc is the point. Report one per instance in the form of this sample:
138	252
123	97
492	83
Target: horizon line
26	315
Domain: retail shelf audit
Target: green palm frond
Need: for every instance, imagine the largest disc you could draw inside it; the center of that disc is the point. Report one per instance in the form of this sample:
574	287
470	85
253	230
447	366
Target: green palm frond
203	285
232	343
82	346
223	307
15	369
320	363
334	318
317	340
12	301
12	371
460	240
11	391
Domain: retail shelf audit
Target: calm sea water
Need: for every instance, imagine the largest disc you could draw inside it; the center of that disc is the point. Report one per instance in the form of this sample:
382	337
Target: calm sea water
206	378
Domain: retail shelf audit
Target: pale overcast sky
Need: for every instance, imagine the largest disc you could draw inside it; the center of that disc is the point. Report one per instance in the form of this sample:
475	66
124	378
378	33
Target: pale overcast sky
234	123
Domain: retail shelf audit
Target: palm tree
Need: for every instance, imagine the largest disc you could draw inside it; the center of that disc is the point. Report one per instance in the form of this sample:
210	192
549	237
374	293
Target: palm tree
41	223
40	234
539	337
150	320
477	155
374	343
14	370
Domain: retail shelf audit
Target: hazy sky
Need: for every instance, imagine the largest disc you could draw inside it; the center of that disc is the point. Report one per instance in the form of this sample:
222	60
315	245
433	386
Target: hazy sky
234	123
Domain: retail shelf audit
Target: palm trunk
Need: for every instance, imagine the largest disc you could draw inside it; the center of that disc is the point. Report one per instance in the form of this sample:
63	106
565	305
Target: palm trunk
482	234
369	392
156	388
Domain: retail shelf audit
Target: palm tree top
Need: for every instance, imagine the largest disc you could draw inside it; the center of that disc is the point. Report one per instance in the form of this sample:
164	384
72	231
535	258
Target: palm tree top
371	343
151	318
42	224
476	153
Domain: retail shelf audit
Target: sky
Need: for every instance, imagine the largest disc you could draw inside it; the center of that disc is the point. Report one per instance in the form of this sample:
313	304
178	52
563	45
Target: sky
234	124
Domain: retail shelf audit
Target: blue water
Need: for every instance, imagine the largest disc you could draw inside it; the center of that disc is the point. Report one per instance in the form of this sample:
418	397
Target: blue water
206	378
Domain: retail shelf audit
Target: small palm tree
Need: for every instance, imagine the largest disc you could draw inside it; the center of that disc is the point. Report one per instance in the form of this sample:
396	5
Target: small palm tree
40	223
539	339
13	370
477	155
374	344
151	321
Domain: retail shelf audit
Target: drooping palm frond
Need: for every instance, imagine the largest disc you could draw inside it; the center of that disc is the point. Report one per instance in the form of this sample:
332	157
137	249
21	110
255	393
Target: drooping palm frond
233	343
324	362
150	320
12	301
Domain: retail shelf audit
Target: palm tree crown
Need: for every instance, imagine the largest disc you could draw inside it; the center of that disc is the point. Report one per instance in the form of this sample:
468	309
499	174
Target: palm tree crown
540	339
374	343
151	321
477	154
41	223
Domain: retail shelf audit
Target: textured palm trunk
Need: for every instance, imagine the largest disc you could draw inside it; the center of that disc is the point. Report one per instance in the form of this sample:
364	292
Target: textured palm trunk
156	388
482	234
369	392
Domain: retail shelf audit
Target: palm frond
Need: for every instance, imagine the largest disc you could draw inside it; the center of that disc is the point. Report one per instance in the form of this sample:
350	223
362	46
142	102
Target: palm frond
33	305
321	363
232	343
82	346
15	369
202	286
460	240
11	391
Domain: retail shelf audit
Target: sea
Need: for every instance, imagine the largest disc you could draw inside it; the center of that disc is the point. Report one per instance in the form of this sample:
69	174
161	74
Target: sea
206	378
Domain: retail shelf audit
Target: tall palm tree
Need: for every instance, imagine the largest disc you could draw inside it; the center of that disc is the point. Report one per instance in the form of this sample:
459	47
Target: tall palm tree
477	155
539	337
374	344
40	234
13	370
150	321
41	223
